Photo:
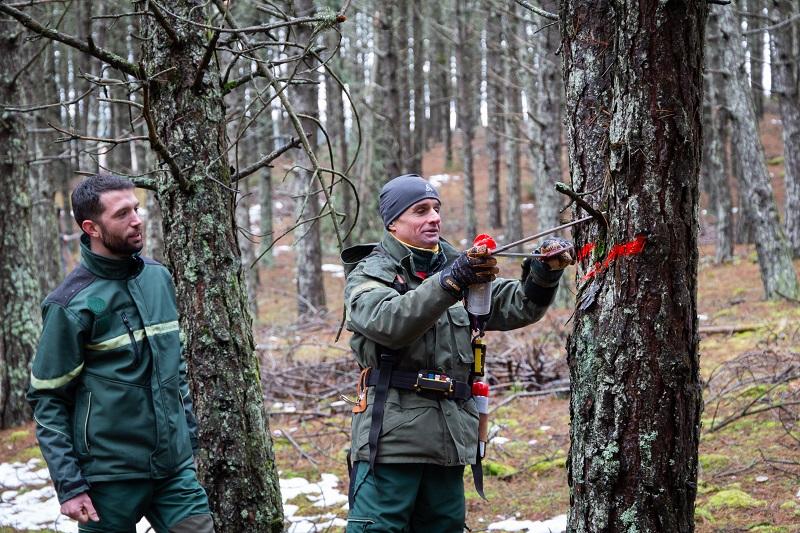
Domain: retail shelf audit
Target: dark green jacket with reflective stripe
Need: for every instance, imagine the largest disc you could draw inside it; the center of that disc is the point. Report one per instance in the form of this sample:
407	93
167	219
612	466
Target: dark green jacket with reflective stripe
108	386
429	329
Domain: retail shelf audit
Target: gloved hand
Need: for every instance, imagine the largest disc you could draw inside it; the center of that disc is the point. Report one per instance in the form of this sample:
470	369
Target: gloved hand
475	265
558	261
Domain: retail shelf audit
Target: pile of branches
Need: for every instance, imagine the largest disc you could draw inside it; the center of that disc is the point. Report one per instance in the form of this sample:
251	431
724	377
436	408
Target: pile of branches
516	362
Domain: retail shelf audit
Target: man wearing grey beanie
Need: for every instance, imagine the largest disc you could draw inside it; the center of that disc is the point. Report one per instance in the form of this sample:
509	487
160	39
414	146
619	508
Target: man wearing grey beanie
415	425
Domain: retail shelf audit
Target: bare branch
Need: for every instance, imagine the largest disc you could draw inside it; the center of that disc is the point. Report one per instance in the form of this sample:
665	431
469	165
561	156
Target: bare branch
162	21
198	76
267	159
74	136
156	143
538	10
47	106
87	47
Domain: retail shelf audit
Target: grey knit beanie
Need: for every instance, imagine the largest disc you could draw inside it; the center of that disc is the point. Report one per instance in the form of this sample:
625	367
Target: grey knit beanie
402	192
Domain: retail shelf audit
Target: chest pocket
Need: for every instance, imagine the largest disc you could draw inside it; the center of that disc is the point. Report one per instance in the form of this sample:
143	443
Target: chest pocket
459	340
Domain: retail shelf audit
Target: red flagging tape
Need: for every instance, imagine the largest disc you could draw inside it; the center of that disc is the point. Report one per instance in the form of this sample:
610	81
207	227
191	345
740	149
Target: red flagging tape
618	250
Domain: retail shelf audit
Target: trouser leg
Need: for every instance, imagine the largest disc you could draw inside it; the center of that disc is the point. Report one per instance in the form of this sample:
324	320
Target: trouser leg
384	498
180	505
440	500
119	504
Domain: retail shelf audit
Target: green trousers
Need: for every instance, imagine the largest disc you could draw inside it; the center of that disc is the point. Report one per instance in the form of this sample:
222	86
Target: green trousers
406	498
177	504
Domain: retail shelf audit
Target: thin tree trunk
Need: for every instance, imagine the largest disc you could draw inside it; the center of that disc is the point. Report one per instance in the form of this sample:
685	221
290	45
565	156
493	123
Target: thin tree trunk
494	93
19	286
236	462
418	141
716	170
513	132
755	43
466	59
403	86
633	83
774	255
388	79
785	85
247	250
265	215
308	259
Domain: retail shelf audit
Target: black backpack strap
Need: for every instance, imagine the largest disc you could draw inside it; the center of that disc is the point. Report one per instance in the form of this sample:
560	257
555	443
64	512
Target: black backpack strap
378	405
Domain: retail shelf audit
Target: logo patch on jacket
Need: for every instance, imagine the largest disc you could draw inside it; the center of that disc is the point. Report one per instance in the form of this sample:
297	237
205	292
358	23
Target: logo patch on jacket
102	322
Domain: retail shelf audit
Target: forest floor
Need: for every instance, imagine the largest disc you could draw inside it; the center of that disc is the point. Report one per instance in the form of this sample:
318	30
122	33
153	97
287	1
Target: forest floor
749	474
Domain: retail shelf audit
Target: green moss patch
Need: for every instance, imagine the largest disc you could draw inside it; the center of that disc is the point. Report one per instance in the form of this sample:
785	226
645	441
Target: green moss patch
713	461
492	468
733	499
547	465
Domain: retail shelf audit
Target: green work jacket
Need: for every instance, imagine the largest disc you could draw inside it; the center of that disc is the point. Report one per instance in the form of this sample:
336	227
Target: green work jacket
429	329
108	386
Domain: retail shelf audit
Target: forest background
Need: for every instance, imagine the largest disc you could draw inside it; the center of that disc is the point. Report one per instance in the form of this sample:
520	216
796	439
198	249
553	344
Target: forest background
259	134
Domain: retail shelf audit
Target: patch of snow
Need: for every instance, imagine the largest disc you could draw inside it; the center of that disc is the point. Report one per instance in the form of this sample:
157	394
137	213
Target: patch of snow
336	270
533	442
545	428
338	403
322	493
500	440
310	524
761	479
526	207
554	525
702	317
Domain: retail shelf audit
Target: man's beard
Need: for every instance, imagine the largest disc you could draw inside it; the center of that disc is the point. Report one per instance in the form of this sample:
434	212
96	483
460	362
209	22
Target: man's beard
119	246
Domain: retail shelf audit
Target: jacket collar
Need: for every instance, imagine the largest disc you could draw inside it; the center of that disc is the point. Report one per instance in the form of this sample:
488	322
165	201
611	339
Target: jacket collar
403	255
106	267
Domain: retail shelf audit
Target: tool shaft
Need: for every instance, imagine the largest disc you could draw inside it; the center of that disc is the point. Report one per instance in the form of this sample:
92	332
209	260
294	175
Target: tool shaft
538	235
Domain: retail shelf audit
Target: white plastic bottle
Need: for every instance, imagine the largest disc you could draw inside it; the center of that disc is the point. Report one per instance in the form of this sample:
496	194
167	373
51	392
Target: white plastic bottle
479	299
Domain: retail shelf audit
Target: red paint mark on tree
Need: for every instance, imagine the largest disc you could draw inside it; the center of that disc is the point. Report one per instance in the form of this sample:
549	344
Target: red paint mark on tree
633	247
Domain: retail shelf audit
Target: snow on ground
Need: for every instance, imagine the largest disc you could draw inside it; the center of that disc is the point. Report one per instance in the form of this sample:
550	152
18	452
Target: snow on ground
554	525
337	271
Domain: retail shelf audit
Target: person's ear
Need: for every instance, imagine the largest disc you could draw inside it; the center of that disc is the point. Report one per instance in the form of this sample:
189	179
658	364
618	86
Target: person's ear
91	228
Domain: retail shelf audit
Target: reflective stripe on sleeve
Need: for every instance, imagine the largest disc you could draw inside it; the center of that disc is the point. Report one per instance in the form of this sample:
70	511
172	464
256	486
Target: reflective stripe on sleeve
54	383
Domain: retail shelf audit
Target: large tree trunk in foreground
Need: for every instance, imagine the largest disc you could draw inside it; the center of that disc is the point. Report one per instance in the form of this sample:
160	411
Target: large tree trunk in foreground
19	286
236	463
785	84
774	256
633	85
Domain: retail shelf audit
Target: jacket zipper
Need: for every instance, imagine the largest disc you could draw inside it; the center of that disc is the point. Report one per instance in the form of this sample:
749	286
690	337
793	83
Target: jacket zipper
86	423
137	358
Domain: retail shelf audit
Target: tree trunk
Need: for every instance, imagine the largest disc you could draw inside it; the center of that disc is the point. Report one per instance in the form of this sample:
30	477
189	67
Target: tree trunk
308	258
19	286
632	72
774	255
403	86
755	43
513	135
418	142
547	119
388	79
494	94
785	85
154	229
236	462
246	249
466	63
46	177
334	112
265	215
715	168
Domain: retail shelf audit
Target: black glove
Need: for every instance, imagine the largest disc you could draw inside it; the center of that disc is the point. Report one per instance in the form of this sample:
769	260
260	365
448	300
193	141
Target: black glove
474	266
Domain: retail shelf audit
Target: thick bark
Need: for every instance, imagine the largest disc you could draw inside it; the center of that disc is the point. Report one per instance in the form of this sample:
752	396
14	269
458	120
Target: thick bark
715	166
513	150
774	255
632	72
785	85
19	286
418	141
236	462
467	59
494	94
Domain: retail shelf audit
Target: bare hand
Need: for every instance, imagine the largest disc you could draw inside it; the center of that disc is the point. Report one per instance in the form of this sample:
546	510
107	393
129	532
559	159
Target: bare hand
80	508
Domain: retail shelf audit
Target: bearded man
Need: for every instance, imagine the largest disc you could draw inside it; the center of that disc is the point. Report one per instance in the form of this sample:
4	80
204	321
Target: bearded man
108	383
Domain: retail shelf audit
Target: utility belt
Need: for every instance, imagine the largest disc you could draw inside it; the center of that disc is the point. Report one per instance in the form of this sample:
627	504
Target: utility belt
427	383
